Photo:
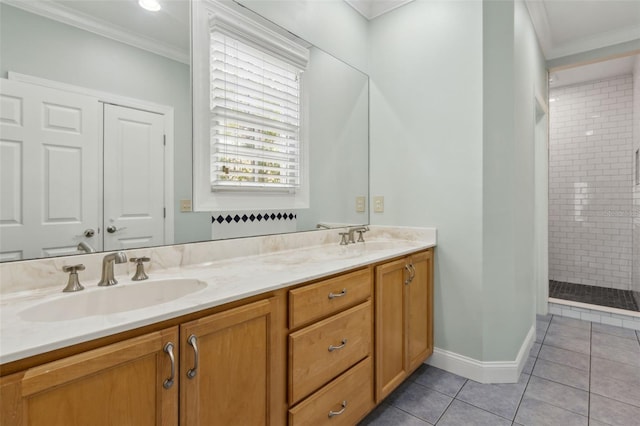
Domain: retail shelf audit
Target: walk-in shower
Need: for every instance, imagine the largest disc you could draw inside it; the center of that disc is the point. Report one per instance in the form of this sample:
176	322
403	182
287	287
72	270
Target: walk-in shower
594	191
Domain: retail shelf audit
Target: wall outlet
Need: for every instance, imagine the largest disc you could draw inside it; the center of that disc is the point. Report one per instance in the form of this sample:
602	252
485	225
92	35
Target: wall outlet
185	205
361	204
378	204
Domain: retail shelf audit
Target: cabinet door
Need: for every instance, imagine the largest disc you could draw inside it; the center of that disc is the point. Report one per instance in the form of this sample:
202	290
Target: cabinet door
391	355
232	383
119	384
420	309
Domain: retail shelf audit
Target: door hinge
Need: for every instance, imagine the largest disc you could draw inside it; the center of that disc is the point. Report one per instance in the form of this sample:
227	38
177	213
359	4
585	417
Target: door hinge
164	212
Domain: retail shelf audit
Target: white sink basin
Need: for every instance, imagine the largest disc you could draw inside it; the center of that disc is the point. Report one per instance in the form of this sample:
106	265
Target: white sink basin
110	300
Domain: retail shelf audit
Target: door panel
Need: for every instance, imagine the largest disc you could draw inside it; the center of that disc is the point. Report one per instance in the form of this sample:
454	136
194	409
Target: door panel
391	355
420	302
118	384
45	209
133	178
233	382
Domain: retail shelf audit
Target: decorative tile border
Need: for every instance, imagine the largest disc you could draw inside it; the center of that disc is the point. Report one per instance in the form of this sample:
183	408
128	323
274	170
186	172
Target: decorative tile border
253	217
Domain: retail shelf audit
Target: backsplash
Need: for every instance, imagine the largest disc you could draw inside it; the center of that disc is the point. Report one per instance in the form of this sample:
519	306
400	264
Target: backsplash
29	275
251	223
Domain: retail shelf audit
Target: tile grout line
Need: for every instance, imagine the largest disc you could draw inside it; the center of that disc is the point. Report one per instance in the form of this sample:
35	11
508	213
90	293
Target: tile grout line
455	397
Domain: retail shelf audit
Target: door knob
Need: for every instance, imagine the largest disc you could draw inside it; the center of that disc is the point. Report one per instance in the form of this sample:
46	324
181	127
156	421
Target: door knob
112	229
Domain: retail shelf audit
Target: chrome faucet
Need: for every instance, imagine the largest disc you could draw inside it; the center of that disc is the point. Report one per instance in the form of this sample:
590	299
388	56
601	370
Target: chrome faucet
360	230
349	238
107	268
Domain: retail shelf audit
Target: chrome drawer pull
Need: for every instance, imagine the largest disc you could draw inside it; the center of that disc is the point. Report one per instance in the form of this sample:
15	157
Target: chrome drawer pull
333	348
337	413
334	295
193	341
168	348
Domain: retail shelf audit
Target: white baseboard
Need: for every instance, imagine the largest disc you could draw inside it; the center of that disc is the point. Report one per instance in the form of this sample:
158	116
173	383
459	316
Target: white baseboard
484	371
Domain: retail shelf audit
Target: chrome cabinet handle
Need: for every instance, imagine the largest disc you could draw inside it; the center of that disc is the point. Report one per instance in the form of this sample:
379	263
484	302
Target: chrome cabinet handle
408	280
168	348
333	348
337	413
193	341
334	295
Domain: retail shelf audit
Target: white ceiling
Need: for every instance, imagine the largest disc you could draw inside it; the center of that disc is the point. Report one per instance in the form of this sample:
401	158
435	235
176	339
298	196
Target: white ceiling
567	27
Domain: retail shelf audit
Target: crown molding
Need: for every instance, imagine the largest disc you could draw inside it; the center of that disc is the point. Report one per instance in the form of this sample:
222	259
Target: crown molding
538	14
371	9
98	26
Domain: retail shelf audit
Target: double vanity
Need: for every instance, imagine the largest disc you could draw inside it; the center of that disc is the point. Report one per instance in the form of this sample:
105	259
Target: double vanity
289	329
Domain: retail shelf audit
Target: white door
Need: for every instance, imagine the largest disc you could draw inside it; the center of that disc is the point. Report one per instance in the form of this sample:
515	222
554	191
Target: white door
133	178
45	209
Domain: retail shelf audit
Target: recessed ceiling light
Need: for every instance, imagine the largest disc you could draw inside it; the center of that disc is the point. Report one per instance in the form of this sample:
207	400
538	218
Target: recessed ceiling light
151	5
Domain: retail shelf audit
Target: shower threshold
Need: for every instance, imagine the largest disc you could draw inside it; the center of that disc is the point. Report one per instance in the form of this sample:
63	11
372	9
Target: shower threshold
594	295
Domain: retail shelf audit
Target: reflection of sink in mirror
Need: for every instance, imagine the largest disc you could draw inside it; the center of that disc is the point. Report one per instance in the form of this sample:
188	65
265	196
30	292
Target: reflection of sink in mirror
113	300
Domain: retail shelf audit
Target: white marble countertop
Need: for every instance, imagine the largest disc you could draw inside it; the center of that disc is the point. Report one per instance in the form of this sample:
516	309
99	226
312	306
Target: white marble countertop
23	333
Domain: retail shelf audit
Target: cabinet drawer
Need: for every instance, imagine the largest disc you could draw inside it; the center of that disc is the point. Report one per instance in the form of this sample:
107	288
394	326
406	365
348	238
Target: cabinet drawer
324	350
315	301
354	388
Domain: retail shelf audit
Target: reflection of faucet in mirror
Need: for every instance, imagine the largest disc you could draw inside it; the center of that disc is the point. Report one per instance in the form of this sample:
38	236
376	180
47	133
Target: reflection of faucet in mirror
85	247
322	226
108	277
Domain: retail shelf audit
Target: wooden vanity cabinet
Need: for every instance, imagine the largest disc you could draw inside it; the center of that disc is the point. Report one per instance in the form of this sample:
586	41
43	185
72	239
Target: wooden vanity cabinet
254	362
404	319
238	380
330	366
119	384
232	377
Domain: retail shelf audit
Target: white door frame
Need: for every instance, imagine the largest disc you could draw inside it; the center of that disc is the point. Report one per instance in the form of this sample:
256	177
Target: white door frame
541	203
111	98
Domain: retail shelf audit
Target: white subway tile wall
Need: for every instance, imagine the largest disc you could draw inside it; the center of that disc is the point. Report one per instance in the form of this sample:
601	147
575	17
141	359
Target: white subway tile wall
590	183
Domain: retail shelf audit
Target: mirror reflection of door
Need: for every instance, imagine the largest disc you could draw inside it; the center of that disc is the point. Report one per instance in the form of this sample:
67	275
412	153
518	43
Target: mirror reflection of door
133	178
51	204
72	196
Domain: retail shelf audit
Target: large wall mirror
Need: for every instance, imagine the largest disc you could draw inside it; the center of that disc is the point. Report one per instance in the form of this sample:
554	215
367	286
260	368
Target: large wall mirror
96	146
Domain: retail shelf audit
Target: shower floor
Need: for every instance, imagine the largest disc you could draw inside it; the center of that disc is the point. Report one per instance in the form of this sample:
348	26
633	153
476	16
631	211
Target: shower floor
594	295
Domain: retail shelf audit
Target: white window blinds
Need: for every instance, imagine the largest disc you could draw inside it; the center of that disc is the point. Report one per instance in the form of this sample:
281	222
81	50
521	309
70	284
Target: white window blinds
255	117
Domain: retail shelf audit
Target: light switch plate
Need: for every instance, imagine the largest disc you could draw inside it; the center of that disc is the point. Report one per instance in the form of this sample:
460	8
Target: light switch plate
378	204
361	204
185	205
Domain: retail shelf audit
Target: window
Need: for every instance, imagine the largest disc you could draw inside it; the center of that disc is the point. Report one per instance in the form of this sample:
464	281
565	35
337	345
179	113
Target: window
255	117
249	145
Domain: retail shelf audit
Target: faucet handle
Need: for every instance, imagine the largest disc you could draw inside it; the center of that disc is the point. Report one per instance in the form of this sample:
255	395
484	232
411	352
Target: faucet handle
140	274
344	240
361	235
73	284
